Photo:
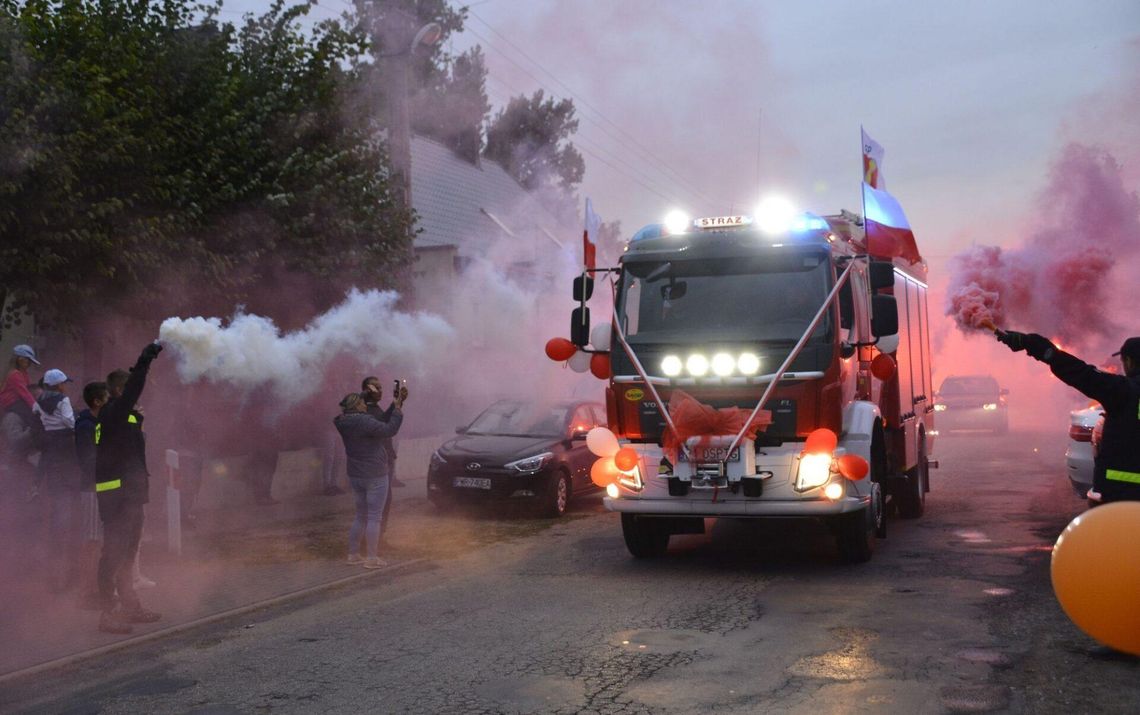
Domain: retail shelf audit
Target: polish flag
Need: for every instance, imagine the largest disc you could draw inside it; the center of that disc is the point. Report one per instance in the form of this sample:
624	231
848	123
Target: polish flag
872	162
590	236
888	232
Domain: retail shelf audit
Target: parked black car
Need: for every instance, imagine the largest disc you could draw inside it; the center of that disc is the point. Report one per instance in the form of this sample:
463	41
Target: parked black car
518	450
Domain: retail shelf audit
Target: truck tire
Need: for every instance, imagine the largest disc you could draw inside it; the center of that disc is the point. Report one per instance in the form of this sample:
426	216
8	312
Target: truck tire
855	536
912	500
644	537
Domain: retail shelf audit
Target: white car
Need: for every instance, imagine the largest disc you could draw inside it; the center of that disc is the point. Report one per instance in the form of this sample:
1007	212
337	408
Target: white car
1079	455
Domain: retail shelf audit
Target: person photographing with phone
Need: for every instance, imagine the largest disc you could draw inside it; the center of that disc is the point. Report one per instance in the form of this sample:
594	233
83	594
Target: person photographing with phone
364	432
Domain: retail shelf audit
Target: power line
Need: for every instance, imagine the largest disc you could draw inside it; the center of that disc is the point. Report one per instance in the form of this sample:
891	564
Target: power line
648	154
686	189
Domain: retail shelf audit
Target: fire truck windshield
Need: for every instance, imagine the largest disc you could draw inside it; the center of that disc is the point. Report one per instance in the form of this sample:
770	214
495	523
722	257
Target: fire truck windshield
772	298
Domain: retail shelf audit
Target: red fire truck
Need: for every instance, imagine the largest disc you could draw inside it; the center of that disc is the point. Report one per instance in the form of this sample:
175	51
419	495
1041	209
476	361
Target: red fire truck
788	315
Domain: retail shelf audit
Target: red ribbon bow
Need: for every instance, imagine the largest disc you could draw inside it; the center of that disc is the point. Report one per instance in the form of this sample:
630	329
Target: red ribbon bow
693	418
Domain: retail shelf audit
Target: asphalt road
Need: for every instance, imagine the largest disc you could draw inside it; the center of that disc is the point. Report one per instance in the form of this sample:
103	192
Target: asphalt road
955	613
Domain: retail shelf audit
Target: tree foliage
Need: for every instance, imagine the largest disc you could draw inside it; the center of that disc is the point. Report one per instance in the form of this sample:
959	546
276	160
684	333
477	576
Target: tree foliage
147	150
530	138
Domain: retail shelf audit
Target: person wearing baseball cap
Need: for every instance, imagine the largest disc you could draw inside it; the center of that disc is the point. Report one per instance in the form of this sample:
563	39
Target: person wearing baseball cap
19	425
58	472
16	383
1116	469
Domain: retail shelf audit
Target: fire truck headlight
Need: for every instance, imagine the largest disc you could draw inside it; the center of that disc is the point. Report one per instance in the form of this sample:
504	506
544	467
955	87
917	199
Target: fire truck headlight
814	471
748	364
833	491
671	365
677	222
723	364
989	406
612	491
775	215
698	365
940	408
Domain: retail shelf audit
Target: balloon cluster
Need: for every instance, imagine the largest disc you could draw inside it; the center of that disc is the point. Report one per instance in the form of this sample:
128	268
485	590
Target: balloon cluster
614	461
824	441
596	361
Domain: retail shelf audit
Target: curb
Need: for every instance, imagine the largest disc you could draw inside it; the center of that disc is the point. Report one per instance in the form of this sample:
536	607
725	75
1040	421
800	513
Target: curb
76	658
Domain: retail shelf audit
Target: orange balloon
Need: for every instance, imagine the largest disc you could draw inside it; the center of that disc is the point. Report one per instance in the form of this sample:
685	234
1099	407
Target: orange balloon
1096	574
883	367
559	349
600	365
821	441
626	459
604	472
853	466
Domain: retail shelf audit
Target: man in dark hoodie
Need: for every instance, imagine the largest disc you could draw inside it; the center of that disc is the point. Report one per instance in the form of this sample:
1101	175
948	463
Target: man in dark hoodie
367	465
95	395
122	487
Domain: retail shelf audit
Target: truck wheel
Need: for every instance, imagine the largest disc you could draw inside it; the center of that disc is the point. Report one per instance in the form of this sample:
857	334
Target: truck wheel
855	536
912	500
557	495
644	537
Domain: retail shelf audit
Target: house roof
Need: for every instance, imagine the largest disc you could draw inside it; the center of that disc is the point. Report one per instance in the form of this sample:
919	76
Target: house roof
473	207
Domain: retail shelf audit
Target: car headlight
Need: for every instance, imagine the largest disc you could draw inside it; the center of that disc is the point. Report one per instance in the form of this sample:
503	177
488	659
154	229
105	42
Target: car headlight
530	464
989	406
437	459
814	471
940	408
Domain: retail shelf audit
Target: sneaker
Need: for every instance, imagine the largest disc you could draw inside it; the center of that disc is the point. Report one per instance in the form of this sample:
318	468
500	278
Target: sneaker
111	623
141	615
375	563
144	582
355	559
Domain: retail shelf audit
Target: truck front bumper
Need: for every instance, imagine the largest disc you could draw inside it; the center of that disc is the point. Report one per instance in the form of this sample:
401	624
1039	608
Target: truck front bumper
738	508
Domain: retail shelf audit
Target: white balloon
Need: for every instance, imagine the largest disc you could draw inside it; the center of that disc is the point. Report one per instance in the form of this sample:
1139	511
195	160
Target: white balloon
888	343
602	442
600	336
579	361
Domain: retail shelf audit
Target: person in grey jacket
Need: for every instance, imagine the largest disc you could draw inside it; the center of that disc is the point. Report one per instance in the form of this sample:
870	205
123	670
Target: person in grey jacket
364	436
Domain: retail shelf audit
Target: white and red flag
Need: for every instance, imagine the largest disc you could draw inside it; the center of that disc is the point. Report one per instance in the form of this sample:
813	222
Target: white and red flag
888	232
872	162
593	226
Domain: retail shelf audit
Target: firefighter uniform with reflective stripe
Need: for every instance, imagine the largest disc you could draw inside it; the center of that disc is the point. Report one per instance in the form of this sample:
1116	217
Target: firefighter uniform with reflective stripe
1116	474
122	486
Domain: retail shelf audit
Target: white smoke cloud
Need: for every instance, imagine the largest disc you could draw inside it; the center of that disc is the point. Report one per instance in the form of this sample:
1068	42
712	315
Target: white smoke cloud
250	351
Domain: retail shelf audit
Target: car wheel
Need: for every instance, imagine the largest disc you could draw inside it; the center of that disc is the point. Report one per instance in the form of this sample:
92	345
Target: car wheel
644	537
557	495
912	502
855	535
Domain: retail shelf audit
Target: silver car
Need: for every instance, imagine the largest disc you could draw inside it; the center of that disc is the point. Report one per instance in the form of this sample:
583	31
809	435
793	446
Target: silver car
1079	455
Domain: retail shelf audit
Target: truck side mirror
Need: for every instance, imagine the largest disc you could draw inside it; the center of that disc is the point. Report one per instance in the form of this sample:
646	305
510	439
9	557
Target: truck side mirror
583	288
580	326
884	315
846	306
881	274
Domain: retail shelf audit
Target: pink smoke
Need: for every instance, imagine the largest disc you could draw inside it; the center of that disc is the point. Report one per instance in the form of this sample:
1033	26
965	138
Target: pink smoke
1060	280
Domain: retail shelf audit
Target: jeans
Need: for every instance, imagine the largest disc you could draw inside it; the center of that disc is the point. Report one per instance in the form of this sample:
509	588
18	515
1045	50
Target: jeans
370	497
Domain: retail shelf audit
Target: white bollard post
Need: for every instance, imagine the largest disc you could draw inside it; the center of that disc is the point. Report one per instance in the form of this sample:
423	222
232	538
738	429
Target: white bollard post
173	504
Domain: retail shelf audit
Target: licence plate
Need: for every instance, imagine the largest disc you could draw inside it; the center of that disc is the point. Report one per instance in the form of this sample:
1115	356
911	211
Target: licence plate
471	482
713	454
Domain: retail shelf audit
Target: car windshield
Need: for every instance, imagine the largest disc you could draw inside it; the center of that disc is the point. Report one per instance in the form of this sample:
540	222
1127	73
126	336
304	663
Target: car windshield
969	386
521	419
772	298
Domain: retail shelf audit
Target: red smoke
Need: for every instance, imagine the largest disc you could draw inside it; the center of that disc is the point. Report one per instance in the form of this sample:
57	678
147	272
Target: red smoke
1059	282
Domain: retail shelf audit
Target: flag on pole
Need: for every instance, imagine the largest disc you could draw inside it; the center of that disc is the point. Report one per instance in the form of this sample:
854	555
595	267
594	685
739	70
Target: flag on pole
888	232
872	162
590	236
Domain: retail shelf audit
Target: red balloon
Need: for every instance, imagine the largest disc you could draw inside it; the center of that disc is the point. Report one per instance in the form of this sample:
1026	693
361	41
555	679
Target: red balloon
883	367
559	349
600	365
604	472
821	441
853	466
626	459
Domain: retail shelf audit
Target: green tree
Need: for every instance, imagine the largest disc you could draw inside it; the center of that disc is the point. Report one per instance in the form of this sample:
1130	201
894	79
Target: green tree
530	138
454	109
150	152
